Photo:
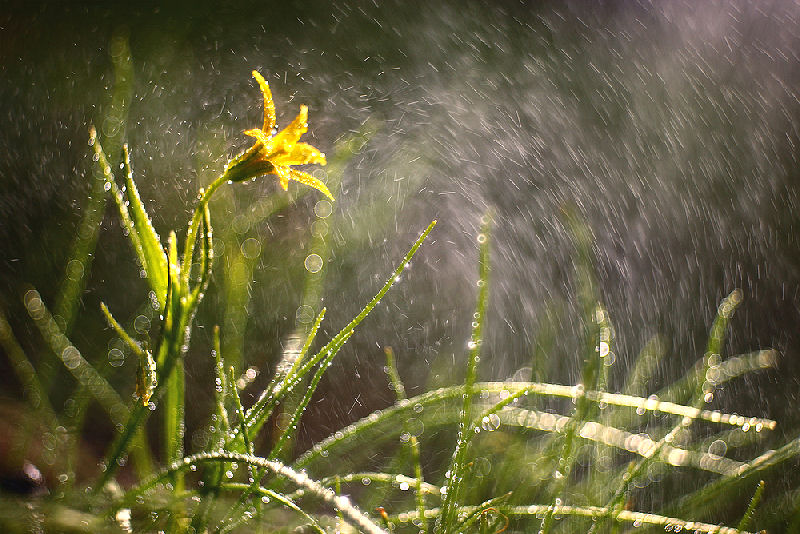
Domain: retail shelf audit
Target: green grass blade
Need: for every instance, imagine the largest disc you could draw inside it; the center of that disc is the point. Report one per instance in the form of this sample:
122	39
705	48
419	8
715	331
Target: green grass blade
169	353
593	317
475	515
447	519
413	443
123	335
151	251
206	259
173	332
91	382
703	394
646	365
283	499
258	413
291	427
35	394
82	250
633	519
220	388
708	497
751	508
354	515
86	375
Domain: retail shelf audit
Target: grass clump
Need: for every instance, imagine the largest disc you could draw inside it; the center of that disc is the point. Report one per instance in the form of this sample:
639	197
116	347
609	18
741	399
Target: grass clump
516	463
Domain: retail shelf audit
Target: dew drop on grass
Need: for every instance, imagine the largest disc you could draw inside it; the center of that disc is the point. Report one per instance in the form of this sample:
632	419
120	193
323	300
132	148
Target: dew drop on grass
116	357
141	324
491	422
415	427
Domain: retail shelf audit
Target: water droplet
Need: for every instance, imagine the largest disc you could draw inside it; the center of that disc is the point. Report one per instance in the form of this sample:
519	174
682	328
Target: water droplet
141	324
491	422
323	209
251	248
313	263
116	357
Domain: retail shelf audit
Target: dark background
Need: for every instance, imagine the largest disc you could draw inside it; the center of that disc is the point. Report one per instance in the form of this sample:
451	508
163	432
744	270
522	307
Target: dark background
670	127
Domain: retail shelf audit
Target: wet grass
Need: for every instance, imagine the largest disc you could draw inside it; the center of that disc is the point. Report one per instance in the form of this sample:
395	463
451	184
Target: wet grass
476	456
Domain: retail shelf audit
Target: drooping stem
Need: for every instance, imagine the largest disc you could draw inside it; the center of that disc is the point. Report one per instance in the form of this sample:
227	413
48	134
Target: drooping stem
191	235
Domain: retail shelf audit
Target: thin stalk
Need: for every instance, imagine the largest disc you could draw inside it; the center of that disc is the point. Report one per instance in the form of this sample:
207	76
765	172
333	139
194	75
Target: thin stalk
454	481
751	508
413	443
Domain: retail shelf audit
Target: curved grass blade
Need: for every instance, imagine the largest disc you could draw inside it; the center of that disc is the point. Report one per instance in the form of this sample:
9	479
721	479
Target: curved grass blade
174	334
709	496
357	517
704	393
635	519
283	499
375	421
303	404
206	260
89	379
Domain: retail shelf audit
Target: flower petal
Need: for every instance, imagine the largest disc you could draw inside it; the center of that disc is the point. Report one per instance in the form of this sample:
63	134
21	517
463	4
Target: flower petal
284	173
309	180
262	138
286	138
301	154
269	105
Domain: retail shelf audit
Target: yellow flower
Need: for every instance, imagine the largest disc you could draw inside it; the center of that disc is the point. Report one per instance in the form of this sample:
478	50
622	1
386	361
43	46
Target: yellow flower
275	154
